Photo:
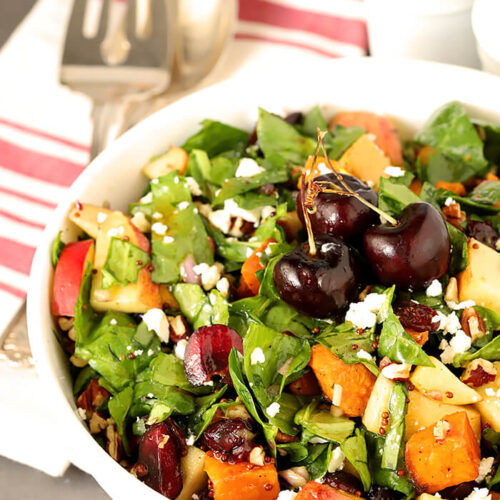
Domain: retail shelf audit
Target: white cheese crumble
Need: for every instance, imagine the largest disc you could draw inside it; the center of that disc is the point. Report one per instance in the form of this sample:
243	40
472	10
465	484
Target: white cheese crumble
140	222
362	354
223	286
460	305
337	395
113	322
364	314
484	468
180	348
183	205
479	494
449	324
286	495
449	201
157	215
435	289
337	460
159	228
82	413
168	239
318	440
116	231
235	210
460	342
396	371
190	440
156	320
267	211
247	167
220	219
273	409
209	383
148	198
440	430
257	356
193	186
101	217
210	275
155	181
394	171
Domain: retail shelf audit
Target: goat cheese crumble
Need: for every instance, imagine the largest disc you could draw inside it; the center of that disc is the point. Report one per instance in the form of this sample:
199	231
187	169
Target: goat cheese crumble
247	167
364	314
257	356
156	320
273	409
435	289
394	171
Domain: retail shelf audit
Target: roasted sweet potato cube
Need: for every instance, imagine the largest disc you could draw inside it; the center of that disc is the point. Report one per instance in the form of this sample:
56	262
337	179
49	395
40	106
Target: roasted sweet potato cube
444	454
316	491
355	380
242	481
380	126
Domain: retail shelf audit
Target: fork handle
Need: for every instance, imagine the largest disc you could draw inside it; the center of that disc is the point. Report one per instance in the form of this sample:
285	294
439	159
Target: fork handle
108	123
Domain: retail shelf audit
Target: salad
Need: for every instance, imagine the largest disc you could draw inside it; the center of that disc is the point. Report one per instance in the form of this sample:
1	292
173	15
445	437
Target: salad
310	311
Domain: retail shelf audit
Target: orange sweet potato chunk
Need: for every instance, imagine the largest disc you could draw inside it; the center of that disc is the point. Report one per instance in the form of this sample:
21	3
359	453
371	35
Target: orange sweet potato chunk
440	457
455	187
242	481
356	380
249	283
380	126
316	491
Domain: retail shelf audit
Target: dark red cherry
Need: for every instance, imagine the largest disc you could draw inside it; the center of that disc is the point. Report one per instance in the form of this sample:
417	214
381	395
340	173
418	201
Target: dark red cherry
412	253
160	450
322	285
207	352
231	437
483	232
339	215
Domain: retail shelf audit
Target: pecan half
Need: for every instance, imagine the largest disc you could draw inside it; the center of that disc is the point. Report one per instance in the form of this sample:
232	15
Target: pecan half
281	437
454	215
479	372
472	324
179	328
92	397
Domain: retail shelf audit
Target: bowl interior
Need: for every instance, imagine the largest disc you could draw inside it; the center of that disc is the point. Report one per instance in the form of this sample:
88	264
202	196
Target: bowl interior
408	91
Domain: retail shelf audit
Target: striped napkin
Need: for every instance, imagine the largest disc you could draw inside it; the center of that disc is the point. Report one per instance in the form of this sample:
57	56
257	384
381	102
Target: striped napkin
45	128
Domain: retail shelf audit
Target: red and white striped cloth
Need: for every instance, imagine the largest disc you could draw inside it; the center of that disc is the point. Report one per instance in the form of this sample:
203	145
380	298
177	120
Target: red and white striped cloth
45	128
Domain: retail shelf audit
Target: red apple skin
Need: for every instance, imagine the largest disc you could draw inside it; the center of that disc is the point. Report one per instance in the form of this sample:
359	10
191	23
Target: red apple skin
68	276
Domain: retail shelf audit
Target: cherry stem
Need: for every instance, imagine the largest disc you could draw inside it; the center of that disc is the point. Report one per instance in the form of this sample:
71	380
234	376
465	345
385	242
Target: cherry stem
348	191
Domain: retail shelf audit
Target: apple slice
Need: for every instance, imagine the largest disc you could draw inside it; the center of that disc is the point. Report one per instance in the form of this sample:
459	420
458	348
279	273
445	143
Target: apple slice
174	159
136	297
68	276
479	281
88	217
377	404
489	407
440	384
423	411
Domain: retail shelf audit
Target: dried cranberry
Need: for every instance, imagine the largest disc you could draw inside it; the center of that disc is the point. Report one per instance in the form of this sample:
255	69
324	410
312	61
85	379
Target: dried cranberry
344	481
483	232
231	437
160	451
459	491
295	118
417	317
207	353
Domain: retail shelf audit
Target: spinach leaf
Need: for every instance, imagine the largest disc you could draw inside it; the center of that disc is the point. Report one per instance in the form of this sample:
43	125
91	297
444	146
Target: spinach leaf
206	406
313	120
282	317
354	448
491	322
487	192
85	317
495	479
280	142
82	380
323	424
283	356
239	185
216	137
451	132
459	254
57	248
317	460
338	141
491	135
123	263
295	452
108	350
394	441
398	345
381	476
119	406
159	412
253	199
440	167
340	340
246	397
290	404
492	437
180	231
394	197
491	352
167	399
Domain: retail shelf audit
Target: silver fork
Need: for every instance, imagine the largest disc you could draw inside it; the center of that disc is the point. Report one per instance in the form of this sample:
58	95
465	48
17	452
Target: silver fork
118	52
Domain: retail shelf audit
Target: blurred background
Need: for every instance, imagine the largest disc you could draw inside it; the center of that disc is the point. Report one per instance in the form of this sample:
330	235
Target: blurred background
56	114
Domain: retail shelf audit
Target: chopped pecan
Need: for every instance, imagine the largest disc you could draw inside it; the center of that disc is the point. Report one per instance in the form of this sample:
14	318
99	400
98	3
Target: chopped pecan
454	215
65	323
92	397
479	372
366	290
114	443
179	328
281	437
97	423
472	324
78	362
385	361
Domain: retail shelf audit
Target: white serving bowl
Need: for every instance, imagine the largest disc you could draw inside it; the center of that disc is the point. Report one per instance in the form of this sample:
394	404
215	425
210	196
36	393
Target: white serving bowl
408	91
